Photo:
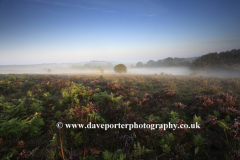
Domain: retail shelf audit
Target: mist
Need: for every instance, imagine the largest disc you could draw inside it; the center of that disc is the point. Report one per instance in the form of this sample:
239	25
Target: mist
94	68
71	69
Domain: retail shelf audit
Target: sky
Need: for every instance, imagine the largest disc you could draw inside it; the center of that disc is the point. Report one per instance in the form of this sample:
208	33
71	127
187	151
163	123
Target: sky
72	31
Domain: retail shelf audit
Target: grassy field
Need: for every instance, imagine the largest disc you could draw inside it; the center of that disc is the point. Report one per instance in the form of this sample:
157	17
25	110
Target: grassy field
31	105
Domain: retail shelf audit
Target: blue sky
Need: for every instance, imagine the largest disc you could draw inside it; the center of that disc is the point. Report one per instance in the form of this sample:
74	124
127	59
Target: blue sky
65	31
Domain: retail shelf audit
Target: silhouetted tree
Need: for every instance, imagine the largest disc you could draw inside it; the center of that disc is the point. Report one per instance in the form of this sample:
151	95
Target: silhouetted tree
206	62
229	59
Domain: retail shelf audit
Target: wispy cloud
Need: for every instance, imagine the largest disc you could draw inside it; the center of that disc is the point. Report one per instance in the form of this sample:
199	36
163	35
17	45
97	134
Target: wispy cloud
68	5
221	40
213	41
46	10
145	15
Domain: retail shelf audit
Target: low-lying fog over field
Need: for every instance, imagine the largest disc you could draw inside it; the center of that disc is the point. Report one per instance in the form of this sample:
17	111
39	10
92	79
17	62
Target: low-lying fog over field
70	69
89	68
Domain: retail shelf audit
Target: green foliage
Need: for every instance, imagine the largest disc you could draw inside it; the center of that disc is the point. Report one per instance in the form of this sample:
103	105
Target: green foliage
75	93
174	118
196	150
36	106
162	142
100	96
197	119
16	126
78	139
138	150
222	125
122	157
118	99
53	141
15	110
104	95
166	149
35	123
29	93
216	114
113	156
58	114
11	154
107	155
47	95
132	94
198	140
96	116
10	128
227	118
170	137
2	100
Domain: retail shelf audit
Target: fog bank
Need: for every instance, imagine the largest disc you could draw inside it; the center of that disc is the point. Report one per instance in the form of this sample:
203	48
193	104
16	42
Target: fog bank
70	69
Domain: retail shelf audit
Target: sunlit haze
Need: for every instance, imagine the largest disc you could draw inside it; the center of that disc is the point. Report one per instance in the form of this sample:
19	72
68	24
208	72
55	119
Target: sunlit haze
65	31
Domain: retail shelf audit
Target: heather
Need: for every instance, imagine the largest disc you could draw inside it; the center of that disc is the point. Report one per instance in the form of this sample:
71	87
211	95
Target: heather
31	105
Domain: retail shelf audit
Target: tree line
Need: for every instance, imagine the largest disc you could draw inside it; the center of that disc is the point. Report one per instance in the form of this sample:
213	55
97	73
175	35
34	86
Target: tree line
167	62
222	60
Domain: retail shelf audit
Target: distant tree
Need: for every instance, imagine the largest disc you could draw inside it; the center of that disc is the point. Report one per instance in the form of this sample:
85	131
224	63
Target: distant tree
206	62
159	63
49	70
139	65
151	63
229	59
169	62
132	66
120	68
184	63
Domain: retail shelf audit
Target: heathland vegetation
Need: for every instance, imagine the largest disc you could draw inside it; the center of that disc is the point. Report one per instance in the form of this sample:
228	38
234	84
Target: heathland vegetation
31	105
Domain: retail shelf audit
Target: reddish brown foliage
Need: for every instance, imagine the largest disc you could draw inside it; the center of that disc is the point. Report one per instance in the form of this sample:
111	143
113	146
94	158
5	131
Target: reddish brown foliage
179	105
212	121
180	133
113	86
208	103
93	83
170	93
